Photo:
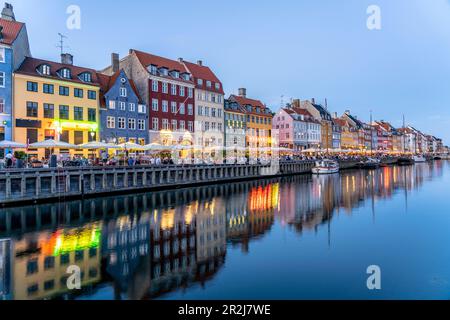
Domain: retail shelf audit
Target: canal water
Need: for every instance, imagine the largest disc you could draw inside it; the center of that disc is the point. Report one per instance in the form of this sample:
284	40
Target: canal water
299	237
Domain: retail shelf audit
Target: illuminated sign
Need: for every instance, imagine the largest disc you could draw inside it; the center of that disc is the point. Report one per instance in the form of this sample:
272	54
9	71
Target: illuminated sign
76	125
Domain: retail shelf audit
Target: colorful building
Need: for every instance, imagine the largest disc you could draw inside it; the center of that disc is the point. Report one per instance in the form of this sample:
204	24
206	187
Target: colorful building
349	137
320	113
14	47
57	101
123	114
167	87
235	131
209	105
259	124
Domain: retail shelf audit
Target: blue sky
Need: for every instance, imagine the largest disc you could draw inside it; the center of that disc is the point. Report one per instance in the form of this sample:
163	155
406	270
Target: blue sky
295	49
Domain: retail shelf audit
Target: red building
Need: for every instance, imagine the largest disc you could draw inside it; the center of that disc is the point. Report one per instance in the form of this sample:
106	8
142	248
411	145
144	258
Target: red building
168	89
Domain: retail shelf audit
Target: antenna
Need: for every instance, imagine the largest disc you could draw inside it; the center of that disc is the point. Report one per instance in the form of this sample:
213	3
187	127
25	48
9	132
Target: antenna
60	44
282	101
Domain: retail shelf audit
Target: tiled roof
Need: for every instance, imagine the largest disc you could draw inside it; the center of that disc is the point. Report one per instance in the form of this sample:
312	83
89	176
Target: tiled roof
11	30
106	82
204	73
147	59
243	102
340	122
323	112
30	65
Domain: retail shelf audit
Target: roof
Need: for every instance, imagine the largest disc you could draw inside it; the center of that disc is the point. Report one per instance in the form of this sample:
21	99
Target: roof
244	101
359	124
107	82
324	114
206	74
229	106
340	122
30	65
11	30
147	59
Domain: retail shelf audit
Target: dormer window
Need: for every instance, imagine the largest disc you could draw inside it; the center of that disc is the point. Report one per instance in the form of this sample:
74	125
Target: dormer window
176	74
65	73
200	82
208	84
217	86
186	76
44	69
153	69
86	77
164	71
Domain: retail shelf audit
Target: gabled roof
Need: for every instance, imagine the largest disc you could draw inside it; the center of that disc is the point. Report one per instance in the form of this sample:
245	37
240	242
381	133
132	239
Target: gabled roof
233	106
324	114
107	82
244	101
293	111
204	73
340	122
147	59
10	32
358	123
30	66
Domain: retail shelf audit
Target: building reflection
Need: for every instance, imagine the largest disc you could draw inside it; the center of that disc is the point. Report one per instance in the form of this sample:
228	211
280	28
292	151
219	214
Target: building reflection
148	245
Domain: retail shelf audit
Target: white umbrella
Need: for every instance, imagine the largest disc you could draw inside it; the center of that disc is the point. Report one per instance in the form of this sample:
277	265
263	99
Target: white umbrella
5	144
98	145
52	144
131	146
157	147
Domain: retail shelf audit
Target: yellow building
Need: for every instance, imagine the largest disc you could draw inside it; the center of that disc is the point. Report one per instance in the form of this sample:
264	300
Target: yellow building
349	136
259	124
56	101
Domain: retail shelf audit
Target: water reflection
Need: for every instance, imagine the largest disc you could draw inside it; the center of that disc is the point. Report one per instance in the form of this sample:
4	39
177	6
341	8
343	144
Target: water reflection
145	246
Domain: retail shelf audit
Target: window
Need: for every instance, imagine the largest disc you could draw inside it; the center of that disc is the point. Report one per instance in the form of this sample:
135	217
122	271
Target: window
2	79
132	107
182	91
110	122
165	106
217	86
174	125
155	86
122	106
155	106
78	137
182	125
49	285
49	88
200	82
121	123
182	108
141	124
64	112
153	69
45	69
92	115
64	136
32	135
173	107
2	105
174	89
86	77
141	108
32	109
2	55
165	124
155	124
63	91
191	126
92	95
65	73
78	93
165	87
132	124
78	113
176	74
32	86
123	92
208	84
112	104
190	93
49	111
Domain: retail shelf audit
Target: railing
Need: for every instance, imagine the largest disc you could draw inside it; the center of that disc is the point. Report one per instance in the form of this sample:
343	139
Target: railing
25	185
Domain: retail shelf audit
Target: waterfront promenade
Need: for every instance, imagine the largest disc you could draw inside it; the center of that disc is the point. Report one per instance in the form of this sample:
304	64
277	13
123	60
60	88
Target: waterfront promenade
18	186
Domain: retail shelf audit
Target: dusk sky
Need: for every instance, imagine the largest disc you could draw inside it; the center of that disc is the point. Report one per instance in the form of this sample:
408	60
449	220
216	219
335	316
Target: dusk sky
295	49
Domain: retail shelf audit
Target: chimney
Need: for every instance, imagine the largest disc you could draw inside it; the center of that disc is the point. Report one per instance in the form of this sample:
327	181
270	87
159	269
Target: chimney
8	12
180	60
326	104
313	101
347	112
115	62
243	92
335	115
67	58
296	103
200	62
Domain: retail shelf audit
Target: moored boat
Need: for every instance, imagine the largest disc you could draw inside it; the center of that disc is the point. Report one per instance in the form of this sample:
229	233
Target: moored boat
405	161
419	159
326	167
370	163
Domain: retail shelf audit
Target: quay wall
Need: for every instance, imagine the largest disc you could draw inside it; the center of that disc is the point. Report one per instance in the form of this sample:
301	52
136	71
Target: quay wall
24	186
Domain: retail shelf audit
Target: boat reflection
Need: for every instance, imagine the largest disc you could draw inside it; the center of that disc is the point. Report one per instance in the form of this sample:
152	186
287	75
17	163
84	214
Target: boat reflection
145	246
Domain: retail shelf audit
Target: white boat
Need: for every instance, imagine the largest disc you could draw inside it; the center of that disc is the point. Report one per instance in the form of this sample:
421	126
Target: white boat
326	167
419	159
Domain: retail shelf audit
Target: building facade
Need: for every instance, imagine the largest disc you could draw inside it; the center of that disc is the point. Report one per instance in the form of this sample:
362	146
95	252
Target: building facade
167	87
259	125
14	47
123	115
55	101
235	132
320	113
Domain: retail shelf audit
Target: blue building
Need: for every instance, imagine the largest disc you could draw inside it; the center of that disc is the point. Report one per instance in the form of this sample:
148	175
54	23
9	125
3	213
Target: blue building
14	47
123	115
